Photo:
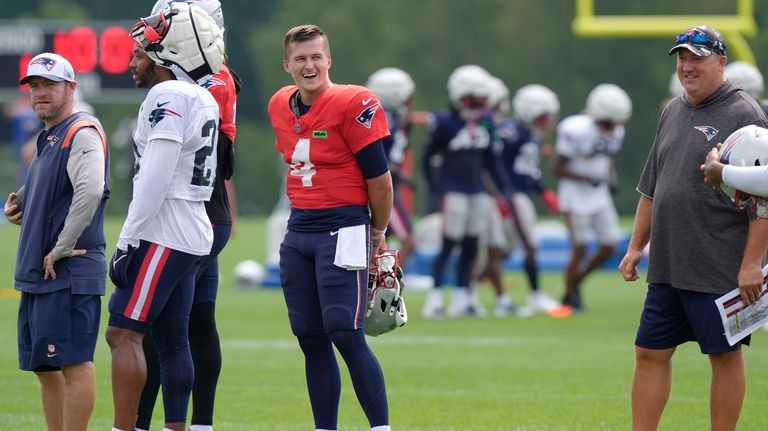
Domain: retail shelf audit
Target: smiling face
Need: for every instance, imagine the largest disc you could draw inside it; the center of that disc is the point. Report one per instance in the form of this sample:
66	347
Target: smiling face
52	101
699	76
308	63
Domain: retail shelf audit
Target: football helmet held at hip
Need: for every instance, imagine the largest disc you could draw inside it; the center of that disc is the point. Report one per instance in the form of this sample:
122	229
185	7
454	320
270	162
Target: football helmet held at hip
386	307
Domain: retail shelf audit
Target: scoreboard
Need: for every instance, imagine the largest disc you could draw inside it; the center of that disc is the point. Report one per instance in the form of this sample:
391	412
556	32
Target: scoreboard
99	51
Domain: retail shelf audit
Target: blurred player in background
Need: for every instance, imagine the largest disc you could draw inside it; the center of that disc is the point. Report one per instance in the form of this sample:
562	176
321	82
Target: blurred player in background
535	109
463	138
749	77
203	335
167	231
338	181
586	146
394	88
61	259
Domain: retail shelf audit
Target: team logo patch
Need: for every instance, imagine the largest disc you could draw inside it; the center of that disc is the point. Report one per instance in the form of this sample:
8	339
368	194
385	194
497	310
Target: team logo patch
212	83
46	62
366	116
52	140
158	114
708	131
320	134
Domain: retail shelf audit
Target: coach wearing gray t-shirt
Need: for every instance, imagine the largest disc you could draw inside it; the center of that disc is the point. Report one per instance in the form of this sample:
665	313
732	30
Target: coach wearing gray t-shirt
701	244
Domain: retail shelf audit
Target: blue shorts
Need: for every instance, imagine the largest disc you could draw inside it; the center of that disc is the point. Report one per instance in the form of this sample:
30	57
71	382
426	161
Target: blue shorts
57	329
674	316
160	279
321	297
207	282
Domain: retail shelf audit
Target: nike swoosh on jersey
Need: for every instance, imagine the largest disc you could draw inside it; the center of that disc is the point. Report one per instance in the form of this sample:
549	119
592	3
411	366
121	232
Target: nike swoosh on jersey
88	151
367	101
334	232
163	104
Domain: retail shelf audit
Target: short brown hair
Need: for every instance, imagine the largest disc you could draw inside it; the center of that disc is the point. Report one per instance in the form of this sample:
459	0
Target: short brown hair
300	34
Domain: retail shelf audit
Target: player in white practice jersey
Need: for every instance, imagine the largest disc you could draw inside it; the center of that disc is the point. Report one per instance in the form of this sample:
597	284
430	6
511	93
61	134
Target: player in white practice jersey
586	145
167	229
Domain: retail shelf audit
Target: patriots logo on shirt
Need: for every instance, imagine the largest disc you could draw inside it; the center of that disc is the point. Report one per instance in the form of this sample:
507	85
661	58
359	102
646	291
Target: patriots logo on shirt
46	62
158	114
708	131
366	116
52	140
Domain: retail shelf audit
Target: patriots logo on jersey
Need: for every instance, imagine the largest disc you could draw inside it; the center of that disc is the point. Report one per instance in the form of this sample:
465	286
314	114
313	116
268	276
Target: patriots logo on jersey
158	114
52	139
366	116
212	83
708	131
46	62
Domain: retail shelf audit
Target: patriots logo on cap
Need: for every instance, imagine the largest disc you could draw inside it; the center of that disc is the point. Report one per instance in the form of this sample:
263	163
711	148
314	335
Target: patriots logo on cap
46	62
708	131
366	116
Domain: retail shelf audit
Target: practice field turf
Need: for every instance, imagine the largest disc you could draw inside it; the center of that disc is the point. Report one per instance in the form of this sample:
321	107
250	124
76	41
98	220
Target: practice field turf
466	374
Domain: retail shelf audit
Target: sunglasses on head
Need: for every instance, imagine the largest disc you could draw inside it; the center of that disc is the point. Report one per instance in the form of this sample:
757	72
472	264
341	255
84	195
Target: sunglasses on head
698	37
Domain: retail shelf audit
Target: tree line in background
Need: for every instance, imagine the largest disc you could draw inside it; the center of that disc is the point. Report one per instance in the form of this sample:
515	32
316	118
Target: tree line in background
519	41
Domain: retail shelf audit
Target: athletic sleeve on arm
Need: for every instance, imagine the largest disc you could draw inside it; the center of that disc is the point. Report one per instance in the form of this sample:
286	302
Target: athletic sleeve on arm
85	168
372	160
749	179
157	166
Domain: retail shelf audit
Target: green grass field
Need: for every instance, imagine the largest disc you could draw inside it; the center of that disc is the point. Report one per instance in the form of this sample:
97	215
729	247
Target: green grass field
467	374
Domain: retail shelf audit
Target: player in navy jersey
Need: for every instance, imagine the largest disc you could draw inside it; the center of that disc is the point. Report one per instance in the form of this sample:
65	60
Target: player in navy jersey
203	335
394	88
340	188
535	109
167	230
61	259
464	137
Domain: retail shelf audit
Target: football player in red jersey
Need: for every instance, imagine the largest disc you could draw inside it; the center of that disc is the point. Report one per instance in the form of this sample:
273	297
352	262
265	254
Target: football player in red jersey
340	189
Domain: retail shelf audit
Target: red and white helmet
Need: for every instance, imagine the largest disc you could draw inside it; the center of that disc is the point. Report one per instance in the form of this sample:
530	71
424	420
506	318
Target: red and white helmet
747	146
182	36
386	307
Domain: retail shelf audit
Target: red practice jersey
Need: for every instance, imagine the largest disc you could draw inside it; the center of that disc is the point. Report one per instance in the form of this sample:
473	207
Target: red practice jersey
319	147
222	87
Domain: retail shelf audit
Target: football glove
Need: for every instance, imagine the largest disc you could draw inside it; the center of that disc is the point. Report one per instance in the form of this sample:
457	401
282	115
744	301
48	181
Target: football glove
118	267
